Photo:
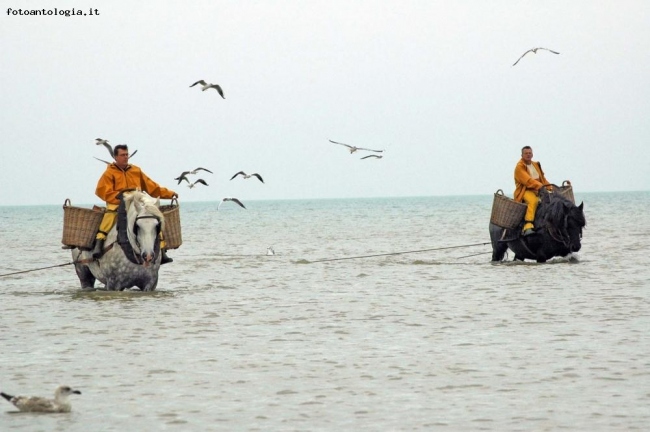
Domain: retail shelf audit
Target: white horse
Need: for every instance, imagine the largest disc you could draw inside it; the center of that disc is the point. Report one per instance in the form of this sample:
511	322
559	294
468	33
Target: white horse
131	263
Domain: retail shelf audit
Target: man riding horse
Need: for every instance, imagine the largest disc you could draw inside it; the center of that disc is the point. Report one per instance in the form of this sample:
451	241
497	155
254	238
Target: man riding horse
118	177
529	179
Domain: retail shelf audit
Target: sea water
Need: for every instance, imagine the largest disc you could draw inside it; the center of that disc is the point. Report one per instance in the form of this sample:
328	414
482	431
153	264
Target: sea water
374	314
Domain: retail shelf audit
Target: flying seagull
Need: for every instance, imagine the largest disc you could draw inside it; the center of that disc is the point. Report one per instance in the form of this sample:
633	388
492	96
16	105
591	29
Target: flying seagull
182	177
184	174
106	162
372	156
259	177
209	86
355	148
60	404
199	169
99	141
191	185
534	51
231	199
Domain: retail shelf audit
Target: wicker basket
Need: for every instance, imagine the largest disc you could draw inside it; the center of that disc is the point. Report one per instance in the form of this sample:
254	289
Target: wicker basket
506	212
80	225
172	231
566	190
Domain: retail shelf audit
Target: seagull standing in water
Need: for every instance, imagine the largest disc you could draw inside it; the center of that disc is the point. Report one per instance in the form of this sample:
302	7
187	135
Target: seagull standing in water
206	86
59	404
355	148
534	51
242	173
270	251
233	200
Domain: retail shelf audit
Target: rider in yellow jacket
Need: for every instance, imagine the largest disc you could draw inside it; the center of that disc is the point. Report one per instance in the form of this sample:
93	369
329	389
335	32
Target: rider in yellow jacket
529	179
120	176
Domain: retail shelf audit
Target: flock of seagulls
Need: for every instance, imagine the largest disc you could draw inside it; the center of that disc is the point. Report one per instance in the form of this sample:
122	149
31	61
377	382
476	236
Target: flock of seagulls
206	86
59	404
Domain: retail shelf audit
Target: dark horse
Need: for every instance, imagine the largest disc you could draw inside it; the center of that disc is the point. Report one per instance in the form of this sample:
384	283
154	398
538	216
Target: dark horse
558	231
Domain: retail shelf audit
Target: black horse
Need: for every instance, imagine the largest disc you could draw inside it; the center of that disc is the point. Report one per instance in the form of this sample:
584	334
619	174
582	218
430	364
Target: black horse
558	231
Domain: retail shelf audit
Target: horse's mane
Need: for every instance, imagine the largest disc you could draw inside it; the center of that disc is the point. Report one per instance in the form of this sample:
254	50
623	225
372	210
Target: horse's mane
555	208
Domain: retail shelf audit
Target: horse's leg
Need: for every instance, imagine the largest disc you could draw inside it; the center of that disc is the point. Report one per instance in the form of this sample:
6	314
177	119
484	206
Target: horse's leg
498	248
111	284
86	278
499	251
151	284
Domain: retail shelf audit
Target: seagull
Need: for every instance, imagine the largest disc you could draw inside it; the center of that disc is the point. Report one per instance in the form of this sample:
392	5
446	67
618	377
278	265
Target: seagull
199	169
99	141
354	148
183	175
259	177
106	162
534	51
270	251
231	199
60	403
209	86
191	185
372	156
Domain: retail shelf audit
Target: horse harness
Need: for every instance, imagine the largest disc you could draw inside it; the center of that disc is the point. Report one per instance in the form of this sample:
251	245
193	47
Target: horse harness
123	239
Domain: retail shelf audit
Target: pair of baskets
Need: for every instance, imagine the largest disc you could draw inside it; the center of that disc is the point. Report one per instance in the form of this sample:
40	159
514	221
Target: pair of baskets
508	213
80	225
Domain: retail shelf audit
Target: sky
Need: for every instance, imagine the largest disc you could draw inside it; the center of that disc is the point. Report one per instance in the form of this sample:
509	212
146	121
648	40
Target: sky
429	82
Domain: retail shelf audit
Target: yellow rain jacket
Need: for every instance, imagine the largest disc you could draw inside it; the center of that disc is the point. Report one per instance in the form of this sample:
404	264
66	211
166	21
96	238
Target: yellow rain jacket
523	180
114	181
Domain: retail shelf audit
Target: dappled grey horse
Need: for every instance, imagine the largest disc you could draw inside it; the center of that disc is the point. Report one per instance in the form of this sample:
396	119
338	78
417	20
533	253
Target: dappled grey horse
131	254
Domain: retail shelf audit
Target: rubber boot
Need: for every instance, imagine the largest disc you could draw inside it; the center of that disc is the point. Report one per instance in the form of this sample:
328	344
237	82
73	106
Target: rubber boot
164	259
99	248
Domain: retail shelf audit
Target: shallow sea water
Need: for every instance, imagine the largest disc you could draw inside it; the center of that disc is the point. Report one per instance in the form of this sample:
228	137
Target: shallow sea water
233	339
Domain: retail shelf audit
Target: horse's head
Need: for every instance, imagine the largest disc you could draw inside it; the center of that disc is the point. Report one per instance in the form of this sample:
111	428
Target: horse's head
575	222
145	221
563	219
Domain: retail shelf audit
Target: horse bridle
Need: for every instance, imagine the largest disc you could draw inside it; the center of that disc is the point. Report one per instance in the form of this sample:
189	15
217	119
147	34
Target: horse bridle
135	225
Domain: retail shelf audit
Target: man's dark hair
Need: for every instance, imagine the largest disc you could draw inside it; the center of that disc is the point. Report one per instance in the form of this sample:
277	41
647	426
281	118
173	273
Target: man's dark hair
120	147
526	148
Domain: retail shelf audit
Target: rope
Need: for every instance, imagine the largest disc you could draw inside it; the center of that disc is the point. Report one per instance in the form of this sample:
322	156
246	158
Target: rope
36	269
311	262
399	253
476	254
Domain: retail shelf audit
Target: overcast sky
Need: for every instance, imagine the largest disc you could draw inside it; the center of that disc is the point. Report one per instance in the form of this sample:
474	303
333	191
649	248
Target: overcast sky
430	82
